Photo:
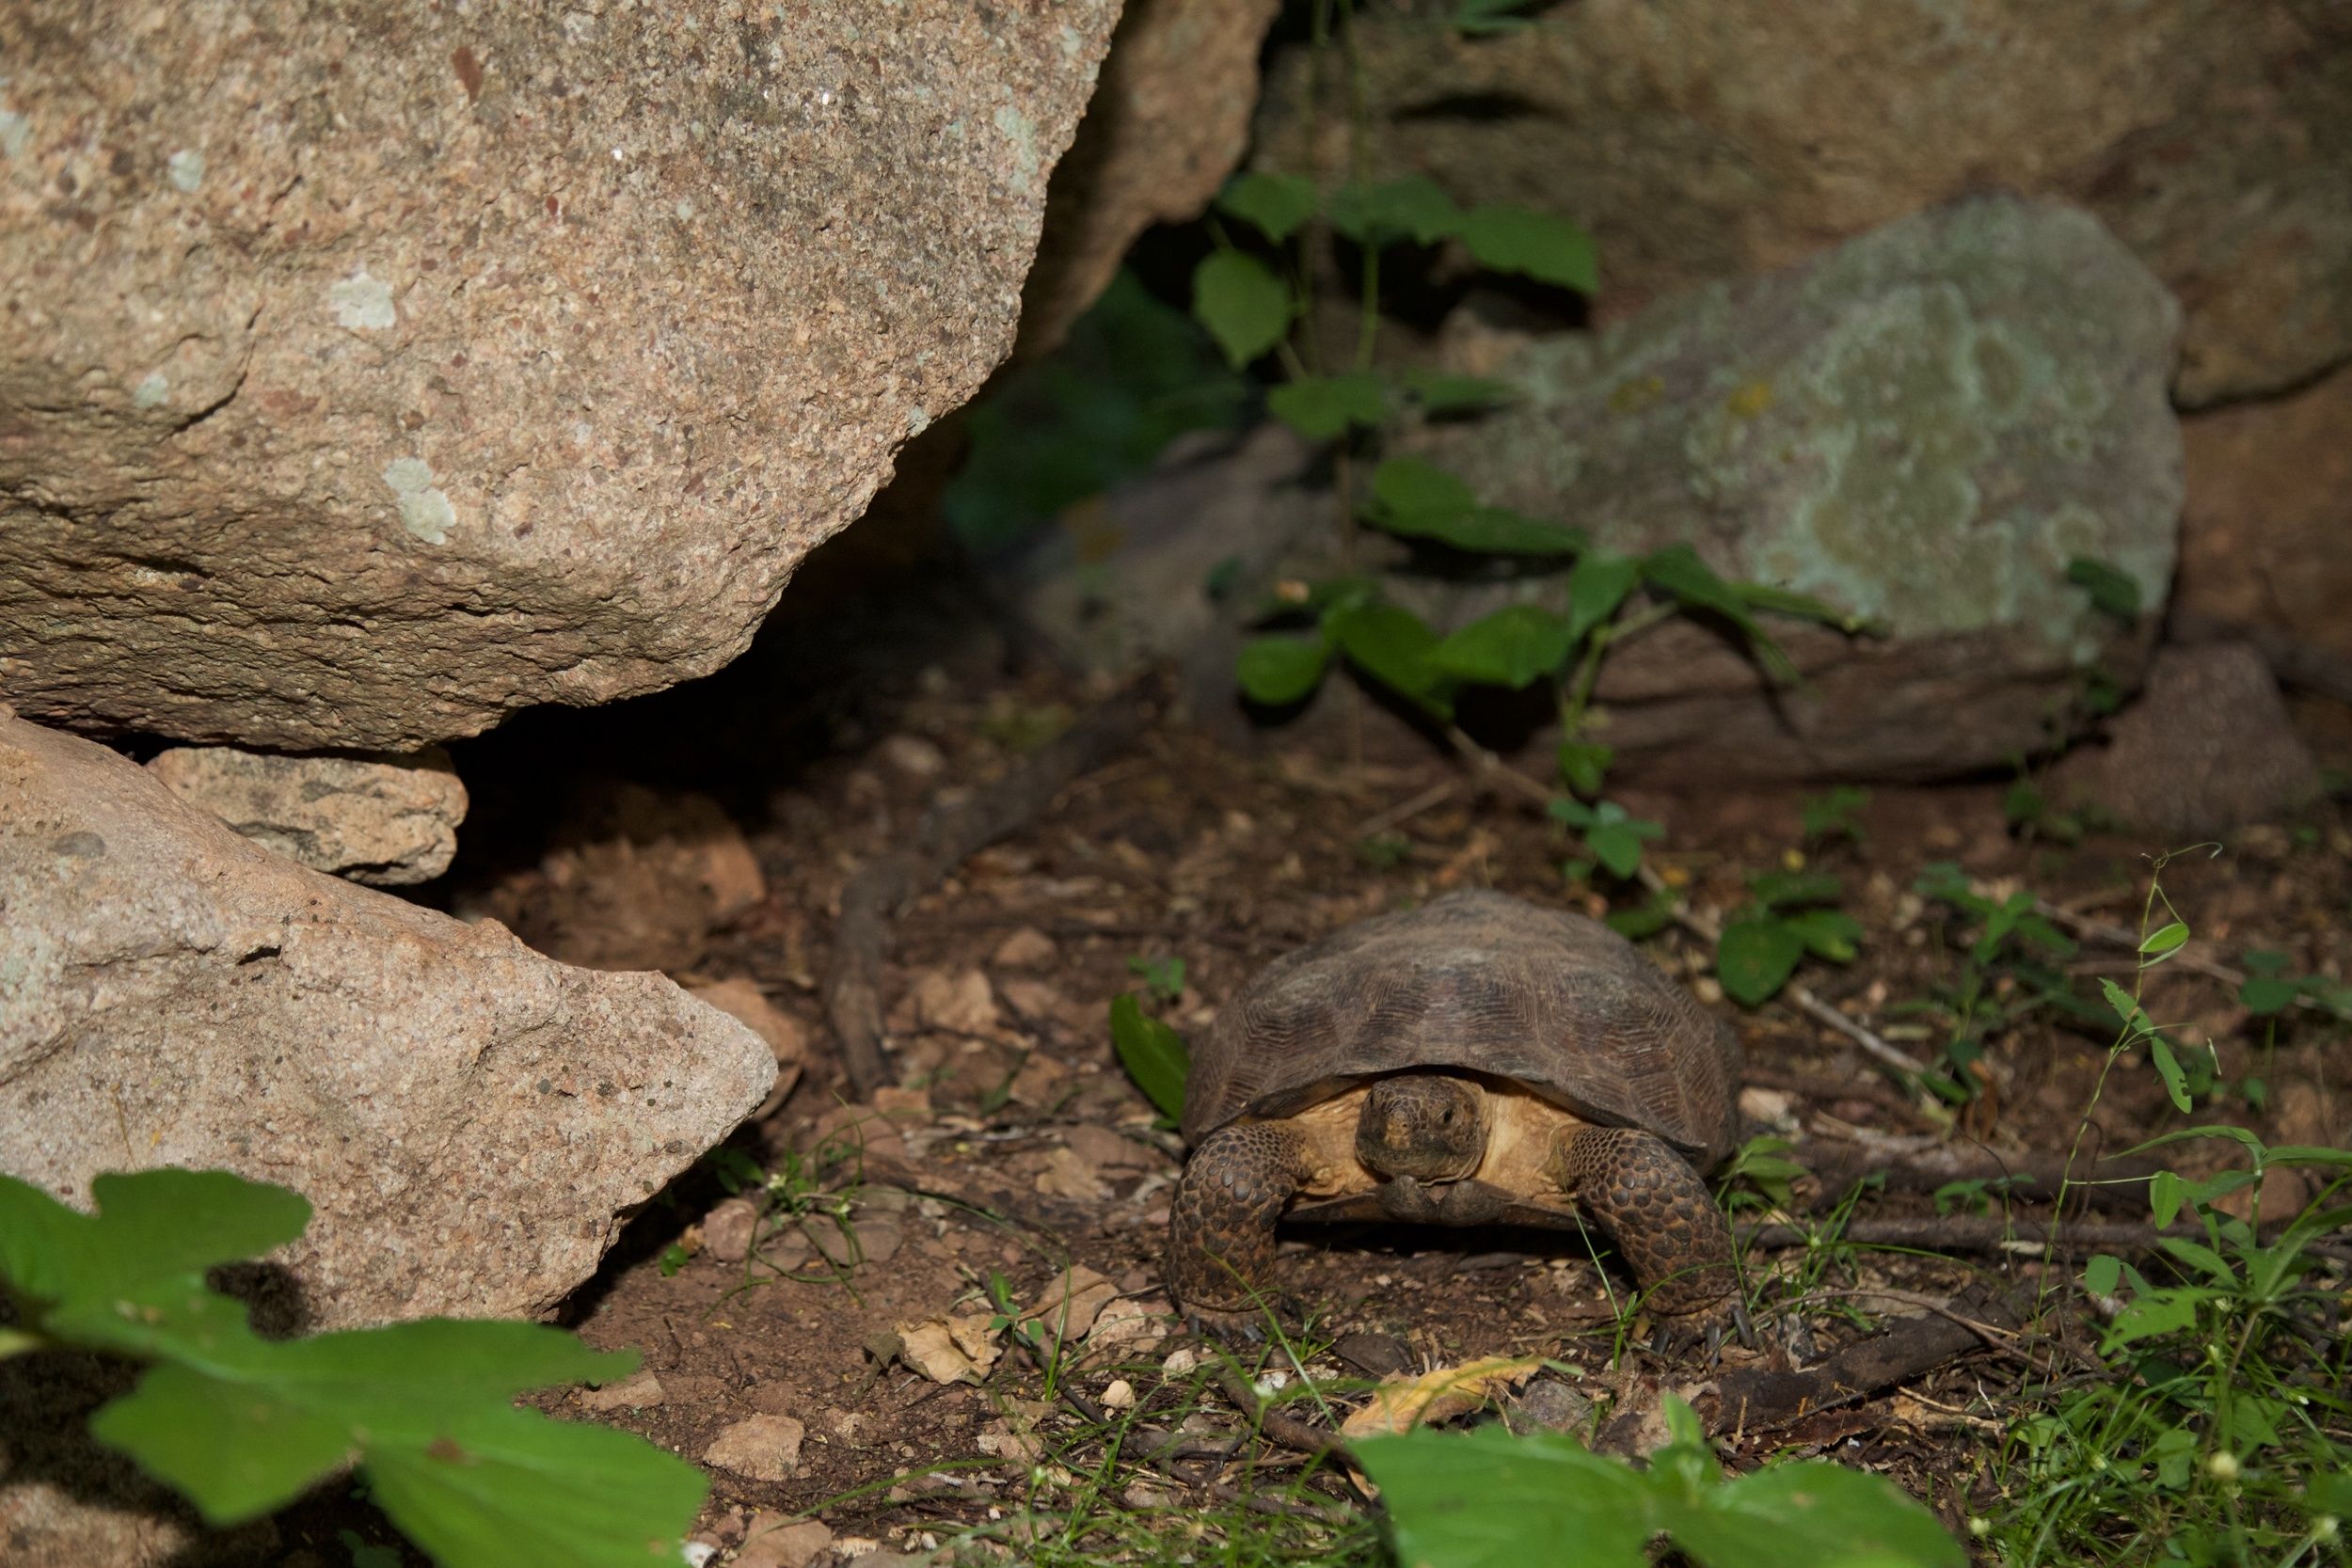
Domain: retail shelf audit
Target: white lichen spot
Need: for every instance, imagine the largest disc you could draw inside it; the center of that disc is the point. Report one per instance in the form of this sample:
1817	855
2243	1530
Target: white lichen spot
152	392
1023	135
685	210
918	420
362	303
16	133
424	511
1072	43
187	168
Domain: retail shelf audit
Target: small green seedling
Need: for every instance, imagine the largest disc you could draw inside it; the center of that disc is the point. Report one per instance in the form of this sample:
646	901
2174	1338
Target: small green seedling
1786	918
1163	975
242	1426
1834	815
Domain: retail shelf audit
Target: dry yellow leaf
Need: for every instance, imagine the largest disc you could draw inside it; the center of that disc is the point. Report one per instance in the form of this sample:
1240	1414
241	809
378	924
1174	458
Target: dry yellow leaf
1401	1402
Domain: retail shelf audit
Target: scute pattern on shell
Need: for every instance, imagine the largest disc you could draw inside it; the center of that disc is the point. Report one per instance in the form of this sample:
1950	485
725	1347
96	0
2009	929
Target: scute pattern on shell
1481	982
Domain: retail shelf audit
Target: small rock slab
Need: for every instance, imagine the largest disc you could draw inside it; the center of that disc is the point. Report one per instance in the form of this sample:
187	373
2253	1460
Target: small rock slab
471	1120
765	1448
385	821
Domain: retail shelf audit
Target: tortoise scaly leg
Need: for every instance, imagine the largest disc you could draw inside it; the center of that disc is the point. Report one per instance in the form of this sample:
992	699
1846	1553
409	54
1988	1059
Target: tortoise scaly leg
1220	1226
1664	1222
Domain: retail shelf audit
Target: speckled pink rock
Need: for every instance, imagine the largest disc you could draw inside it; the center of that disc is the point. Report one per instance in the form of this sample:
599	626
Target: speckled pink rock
368	372
471	1120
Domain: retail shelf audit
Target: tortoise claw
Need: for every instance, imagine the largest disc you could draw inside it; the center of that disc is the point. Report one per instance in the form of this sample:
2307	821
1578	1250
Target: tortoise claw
1704	1330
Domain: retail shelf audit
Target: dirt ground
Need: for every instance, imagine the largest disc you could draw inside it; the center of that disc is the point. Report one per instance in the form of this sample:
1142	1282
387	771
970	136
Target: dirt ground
1018	1164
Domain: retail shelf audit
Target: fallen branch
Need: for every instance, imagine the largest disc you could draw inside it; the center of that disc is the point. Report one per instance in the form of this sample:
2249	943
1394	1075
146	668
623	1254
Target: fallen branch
950	832
2031	1177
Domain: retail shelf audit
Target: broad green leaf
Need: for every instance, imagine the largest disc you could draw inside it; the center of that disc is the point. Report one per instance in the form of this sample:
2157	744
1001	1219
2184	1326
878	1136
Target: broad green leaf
1421	501
2169	1068
151	1225
1814	1514
1441	394
1597	586
1781	888
2168	941
1396	648
1278	671
2167	1192
1755	958
1413	208
1515	645
1484	1498
2109	589
1153	1054
2153	1314
1831	934
2175	1452
1678	570
2200	1258
2103	1274
1276	204
1322	406
1576	814
1245	307
511	1489
1584	765
236	1450
1616	838
2263	961
2264	994
1535	245
1413	484
1801	606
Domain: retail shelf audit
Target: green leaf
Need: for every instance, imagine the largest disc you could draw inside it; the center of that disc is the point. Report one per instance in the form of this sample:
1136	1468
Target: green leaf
1616	838
1394	648
1413	208
1488	18
1801	606
151	1225
1755	958
2110	589
1838	812
1441	394
1533	244
1419	500
1278	671
2262	961
1678	570
2103	1274
2169	1068
2127	1008
1153	1054
1484	1498
235	1451
1323	406
1831	934
1515	645
1813	1513
1276	204
1245	307
510	1488
2167	1192
2264	994
2163	943
1597	586
2155	1313
1584	765
1780	889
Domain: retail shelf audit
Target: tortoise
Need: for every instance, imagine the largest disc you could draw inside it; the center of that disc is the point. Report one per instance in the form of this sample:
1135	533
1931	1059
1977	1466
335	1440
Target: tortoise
1478	1060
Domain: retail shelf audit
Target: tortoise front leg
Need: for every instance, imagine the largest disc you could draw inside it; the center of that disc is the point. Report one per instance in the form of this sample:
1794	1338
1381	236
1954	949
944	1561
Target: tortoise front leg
1663	1220
1220	1227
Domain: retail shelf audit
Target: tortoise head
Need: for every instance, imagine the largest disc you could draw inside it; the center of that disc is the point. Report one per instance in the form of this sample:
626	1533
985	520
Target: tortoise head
1426	1125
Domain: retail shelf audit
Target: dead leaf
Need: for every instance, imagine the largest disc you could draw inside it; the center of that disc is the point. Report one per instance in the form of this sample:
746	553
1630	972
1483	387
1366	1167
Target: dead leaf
1025	948
962	1004
950	1350
1083	1292
1401	1402
1068	1174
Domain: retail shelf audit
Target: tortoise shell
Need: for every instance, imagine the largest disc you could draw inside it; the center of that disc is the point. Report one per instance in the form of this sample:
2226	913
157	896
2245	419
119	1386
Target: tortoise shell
1477	982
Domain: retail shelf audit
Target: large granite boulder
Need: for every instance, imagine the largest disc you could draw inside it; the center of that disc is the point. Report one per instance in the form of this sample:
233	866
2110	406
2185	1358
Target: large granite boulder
472	1121
1704	140
1924	427
433	361
1168	124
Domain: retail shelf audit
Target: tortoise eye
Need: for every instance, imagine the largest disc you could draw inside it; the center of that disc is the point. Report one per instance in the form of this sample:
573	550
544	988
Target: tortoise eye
1447	1118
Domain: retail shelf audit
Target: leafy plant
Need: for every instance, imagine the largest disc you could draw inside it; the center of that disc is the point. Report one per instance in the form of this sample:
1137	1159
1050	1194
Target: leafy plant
1837	813
1610	836
1154	1055
1163	975
1786	918
241	1425
1486	1500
